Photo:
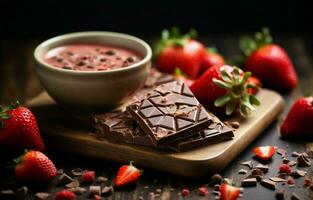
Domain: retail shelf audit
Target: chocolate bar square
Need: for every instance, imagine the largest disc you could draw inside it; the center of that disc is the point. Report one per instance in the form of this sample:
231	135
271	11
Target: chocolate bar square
170	112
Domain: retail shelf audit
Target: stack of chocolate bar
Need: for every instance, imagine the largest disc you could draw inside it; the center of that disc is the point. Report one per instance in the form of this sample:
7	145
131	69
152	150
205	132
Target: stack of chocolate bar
163	114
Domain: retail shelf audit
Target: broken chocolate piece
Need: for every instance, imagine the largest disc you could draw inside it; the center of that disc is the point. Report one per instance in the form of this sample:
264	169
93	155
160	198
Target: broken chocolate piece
94	190
107	190
263	168
268	184
280	194
295	154
41	196
298	173
64	179
286	161
248	163
169	113
303	160
294	196
277	179
73	184
77	172
248	182
281	152
242	171
78	190
102	179
292	163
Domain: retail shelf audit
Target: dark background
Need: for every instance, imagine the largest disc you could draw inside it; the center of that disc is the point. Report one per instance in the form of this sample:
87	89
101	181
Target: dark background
48	18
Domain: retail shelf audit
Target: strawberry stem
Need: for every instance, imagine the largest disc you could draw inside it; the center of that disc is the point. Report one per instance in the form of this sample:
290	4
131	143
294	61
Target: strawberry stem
4	115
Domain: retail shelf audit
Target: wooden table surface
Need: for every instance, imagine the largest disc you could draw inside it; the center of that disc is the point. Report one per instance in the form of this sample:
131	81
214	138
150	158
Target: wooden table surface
18	81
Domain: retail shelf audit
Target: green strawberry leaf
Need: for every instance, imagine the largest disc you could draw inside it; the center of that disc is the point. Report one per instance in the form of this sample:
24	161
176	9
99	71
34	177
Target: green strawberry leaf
222	84
222	101
231	107
254	100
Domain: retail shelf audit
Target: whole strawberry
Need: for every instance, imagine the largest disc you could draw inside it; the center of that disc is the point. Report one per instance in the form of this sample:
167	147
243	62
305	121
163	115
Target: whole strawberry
298	122
19	129
34	166
179	51
211	58
225	86
269	62
65	195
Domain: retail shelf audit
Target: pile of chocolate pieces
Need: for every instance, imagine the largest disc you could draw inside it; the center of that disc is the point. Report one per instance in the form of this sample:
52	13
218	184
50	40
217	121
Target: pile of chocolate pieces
163	114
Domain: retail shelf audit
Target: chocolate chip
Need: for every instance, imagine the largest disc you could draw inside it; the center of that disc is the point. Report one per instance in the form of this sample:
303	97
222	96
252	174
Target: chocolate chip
107	190
280	194
95	190
21	192
118	58
257	172
268	184
110	52
286	161
81	63
73	184
66	67
263	168
41	196
69	53
249	182
131	59
303	160
216	179
277	179
103	60
248	164
77	172
102	179
282	175
294	196
59	59
90	67
242	171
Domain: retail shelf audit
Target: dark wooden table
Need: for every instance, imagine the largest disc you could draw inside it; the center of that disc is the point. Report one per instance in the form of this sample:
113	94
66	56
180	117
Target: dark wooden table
18	81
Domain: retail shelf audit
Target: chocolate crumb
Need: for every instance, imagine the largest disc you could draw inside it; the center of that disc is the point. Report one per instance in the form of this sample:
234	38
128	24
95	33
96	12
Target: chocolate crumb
107	190
78	190
281	152
242	171
102	179
277	179
78	172
280	194
268	184
41	196
294	196
249	182
73	184
248	164
94	190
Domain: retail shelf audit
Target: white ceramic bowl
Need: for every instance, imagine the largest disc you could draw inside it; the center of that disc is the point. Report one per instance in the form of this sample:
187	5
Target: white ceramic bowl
92	91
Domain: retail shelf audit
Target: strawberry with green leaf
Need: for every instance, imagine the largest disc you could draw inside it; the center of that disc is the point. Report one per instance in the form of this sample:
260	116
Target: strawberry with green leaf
211	58
179	75
19	129
226	87
179	51
269	62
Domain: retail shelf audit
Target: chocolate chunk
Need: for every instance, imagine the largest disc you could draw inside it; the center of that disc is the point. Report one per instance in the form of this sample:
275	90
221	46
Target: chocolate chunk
107	190
81	63
286	161
66	67
277	179
282	175
60	171
103	59
268	184
102	179
90	67
292	163
78	172
216	179
78	190
242	171
73	184
94	190
294	196
248	182
257	171
294	154
248	163
303	160
281	152
21	192
180	116
233	124
64	179
131	59
298	173
41	196
110	52
263	168
280	194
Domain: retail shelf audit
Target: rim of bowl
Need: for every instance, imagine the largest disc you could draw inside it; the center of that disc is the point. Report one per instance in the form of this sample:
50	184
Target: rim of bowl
66	36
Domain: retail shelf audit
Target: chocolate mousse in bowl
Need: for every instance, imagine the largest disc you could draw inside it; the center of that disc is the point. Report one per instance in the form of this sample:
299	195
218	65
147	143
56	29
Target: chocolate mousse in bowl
90	72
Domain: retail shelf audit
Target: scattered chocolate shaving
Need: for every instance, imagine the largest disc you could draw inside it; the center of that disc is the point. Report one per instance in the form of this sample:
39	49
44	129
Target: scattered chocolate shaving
102	179
294	154
41	196
292	163
280	194
263	168
64	179
257	171
73	184
248	182
242	171
298	173
294	196
21	192
277	179
268	184
94	190
78	190
303	160
107	190
78	172
281	152
248	163
216	179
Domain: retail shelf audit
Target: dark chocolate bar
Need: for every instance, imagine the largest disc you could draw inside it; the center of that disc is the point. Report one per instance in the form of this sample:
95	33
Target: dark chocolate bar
170	112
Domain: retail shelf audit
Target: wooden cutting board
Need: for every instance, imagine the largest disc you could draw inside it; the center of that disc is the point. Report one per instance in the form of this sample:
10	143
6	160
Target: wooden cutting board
62	132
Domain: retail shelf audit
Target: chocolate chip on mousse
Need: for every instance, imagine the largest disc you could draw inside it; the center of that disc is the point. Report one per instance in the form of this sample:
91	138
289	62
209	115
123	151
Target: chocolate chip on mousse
110	52
66	67
131	59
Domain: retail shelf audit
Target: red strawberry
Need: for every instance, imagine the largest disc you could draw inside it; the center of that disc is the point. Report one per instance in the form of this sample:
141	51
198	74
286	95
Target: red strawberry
179	75
65	195
203	191
185	192
19	129
255	85
179	51
307	181
34	166
211	58
229	192
269	62
89	176
225	86
264	152
127	175
284	168
298	122
290	181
